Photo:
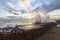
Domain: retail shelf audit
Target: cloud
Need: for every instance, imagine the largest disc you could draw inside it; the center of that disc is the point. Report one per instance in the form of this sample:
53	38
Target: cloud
10	4
25	4
49	5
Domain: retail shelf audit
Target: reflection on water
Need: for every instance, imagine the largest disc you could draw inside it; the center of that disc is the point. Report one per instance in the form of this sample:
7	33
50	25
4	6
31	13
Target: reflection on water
29	27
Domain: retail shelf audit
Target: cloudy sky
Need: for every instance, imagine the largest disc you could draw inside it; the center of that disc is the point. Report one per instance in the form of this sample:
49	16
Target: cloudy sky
6	6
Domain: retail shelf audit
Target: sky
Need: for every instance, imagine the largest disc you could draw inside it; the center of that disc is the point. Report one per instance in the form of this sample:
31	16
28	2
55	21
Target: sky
7	6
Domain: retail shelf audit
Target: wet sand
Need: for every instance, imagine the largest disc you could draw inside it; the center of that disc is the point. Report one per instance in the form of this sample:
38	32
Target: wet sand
52	34
48	32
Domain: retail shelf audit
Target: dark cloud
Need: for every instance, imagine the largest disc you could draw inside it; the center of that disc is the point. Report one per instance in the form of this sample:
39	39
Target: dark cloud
53	6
